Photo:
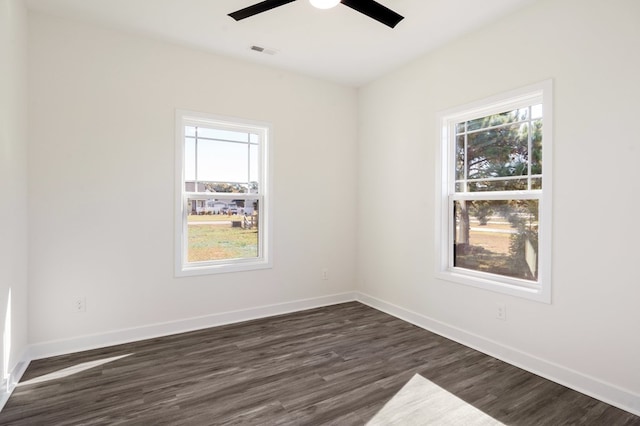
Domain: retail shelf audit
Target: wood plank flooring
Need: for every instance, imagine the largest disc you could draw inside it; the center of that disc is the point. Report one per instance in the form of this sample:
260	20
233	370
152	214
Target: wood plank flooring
335	365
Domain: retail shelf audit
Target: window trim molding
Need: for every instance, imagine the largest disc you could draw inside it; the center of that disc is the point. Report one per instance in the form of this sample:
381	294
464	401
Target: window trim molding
264	260
540	292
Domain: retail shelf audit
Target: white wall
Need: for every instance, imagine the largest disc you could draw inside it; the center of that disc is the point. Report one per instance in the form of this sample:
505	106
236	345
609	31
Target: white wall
590	50
13	184
101	107
101	167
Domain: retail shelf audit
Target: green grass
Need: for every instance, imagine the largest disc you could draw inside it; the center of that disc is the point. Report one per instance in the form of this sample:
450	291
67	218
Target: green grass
192	218
221	241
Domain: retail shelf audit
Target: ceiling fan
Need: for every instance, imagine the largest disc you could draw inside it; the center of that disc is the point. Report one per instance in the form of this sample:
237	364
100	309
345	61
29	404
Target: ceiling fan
371	8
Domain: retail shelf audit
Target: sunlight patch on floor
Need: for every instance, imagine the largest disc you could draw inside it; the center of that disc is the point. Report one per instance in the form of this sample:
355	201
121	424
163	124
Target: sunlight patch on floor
422	402
66	372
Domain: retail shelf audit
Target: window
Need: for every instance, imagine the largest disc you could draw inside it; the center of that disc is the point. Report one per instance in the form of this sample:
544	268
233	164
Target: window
494	224
222	190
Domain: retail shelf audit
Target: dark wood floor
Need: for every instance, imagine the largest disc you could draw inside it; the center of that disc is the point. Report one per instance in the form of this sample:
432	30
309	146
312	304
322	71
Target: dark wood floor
335	365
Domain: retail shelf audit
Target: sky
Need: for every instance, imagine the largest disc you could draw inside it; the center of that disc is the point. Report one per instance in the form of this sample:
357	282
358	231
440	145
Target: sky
221	156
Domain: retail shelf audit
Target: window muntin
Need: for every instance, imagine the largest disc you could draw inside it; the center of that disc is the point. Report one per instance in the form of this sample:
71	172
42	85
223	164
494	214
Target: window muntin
500	152
494	224
222	208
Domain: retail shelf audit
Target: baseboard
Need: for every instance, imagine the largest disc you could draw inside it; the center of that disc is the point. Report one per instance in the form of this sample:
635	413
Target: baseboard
14	377
580	382
116	337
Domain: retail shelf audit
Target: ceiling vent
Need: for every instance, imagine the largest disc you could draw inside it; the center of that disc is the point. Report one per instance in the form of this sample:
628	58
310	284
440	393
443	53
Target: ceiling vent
264	50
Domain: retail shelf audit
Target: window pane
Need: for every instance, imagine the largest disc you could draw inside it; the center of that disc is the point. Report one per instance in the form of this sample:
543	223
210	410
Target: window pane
498	119
536	146
189	131
498	152
207	207
498	185
228	135
222	161
536	183
254	164
189	159
222	230
536	111
497	236
460	157
212	186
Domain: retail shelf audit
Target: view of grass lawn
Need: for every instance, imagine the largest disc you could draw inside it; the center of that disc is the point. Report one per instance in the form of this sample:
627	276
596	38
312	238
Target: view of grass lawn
211	237
496	242
193	218
489	250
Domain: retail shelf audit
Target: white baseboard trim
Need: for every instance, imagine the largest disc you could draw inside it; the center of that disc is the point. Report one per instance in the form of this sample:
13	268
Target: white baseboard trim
14	377
606	392
116	337
580	382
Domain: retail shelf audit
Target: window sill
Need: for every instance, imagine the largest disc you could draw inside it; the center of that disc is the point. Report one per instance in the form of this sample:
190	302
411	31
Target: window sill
533	292
209	269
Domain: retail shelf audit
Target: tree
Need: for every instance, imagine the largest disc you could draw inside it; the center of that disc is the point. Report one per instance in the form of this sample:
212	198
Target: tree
224	187
493	154
482	210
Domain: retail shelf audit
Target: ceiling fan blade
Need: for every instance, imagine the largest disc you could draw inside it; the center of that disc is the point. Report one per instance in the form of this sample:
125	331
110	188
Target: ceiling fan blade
375	10
263	6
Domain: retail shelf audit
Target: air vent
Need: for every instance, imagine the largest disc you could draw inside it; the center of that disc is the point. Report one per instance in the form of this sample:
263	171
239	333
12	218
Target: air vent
264	50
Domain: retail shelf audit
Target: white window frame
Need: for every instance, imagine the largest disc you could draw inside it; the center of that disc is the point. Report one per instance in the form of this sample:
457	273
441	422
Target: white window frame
183	268
539	290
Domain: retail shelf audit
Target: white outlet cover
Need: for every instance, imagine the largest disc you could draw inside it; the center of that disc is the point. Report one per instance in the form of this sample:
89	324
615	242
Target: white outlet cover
80	304
501	312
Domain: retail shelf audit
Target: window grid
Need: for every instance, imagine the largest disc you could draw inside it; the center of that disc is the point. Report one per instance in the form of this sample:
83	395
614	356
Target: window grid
523	208
199	172
249	143
528	122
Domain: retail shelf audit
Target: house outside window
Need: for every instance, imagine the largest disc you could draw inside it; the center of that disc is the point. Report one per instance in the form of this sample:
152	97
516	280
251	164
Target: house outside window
222	194
494	223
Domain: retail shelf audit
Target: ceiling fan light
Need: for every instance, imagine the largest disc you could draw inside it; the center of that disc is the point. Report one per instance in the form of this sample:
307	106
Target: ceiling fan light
324	4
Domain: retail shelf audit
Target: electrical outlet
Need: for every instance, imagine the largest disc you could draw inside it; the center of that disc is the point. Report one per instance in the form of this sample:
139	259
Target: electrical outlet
325	274
80	304
501	312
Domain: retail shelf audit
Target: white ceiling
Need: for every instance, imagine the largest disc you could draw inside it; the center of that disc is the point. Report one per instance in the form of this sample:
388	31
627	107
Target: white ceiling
338	44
